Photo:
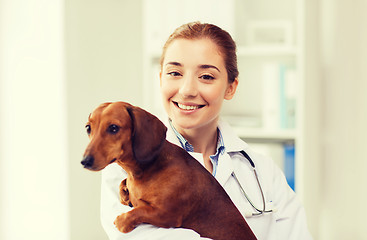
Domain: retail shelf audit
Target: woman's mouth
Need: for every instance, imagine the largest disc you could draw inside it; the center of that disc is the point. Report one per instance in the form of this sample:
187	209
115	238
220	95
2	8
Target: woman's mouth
188	107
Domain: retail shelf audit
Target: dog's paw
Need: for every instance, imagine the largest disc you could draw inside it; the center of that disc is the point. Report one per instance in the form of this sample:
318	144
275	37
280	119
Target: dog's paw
124	197
124	194
122	223
126	202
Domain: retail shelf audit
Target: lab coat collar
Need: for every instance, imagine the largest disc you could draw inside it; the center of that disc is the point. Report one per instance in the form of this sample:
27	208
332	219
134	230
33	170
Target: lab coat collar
232	143
170	135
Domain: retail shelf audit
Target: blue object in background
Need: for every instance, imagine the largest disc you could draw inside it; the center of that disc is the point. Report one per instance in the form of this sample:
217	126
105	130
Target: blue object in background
289	167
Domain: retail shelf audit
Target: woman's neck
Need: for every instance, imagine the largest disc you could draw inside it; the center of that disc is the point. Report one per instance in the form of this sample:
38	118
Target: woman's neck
203	139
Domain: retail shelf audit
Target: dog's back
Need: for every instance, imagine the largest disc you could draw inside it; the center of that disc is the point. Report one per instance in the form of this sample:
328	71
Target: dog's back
203	204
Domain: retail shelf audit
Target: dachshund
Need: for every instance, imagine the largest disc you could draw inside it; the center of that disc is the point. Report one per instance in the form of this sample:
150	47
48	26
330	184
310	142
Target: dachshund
165	185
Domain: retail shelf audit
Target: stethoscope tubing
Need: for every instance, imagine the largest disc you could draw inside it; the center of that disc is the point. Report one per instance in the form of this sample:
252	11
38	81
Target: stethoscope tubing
259	211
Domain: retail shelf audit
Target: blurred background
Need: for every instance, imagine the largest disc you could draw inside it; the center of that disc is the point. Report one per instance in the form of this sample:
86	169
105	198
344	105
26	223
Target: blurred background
59	59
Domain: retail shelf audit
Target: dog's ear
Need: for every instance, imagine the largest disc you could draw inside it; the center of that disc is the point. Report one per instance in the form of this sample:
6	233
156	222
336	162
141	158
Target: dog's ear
148	134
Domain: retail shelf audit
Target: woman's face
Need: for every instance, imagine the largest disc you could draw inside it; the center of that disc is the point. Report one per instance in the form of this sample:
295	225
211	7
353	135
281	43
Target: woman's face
194	83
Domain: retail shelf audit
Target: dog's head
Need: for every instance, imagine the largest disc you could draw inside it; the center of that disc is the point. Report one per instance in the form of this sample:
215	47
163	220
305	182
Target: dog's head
119	131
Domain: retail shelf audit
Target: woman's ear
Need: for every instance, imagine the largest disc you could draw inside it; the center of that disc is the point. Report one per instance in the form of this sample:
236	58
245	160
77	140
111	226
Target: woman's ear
231	89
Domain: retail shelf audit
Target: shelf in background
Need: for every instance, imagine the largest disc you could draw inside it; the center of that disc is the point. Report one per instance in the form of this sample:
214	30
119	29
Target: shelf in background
259	134
243	51
266	51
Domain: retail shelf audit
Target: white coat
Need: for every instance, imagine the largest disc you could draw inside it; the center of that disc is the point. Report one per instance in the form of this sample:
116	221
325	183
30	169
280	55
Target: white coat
287	222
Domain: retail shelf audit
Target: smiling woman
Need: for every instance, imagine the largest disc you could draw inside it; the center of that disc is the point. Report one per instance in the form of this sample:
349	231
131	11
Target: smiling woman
194	83
198	73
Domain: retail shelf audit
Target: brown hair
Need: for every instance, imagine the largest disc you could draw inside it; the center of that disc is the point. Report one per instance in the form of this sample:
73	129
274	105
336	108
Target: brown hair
197	30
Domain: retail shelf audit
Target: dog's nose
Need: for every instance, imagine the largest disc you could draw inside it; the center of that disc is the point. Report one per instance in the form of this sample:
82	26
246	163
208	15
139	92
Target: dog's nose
88	161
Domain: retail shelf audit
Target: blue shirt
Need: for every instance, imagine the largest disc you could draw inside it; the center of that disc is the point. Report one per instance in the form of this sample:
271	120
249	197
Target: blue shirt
188	147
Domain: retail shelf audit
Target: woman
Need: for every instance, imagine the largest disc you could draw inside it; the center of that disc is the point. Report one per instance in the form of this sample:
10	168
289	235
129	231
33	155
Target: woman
199	71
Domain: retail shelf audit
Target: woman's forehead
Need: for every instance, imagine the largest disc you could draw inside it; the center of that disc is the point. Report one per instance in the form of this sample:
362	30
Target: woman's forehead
198	52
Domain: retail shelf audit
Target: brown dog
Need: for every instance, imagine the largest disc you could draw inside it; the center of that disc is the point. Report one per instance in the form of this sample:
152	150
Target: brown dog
165	185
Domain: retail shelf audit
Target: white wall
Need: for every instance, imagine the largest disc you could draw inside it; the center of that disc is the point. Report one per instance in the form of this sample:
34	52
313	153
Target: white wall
33	145
312	115
59	59
343	46
336	118
104	63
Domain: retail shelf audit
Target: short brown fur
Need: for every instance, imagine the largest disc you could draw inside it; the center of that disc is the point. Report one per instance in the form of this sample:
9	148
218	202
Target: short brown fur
165	185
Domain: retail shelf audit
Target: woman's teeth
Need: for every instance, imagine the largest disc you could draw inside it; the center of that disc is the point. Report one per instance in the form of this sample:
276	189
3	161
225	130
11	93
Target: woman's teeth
187	107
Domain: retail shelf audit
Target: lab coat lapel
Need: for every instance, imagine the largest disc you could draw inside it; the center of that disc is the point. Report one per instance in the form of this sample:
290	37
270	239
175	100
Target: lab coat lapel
170	135
225	165
232	144
225	168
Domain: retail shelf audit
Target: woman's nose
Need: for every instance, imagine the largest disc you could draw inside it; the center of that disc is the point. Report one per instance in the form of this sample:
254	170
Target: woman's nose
188	87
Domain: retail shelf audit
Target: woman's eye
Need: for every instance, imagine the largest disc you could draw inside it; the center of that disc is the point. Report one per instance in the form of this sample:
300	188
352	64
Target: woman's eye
113	129
174	74
207	77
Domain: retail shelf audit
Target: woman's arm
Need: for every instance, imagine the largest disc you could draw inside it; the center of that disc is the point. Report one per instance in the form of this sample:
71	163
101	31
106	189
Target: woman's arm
111	207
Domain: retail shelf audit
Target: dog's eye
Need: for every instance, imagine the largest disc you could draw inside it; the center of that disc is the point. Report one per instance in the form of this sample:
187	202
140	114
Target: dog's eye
88	128
113	129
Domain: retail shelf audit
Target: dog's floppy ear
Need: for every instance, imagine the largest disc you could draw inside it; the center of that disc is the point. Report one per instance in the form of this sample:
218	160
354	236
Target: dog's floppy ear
148	134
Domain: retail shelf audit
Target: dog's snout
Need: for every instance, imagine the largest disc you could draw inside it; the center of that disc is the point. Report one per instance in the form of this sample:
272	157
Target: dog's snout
88	161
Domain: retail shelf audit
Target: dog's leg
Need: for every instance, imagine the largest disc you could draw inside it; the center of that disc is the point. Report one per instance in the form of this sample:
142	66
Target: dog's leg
126	222
124	194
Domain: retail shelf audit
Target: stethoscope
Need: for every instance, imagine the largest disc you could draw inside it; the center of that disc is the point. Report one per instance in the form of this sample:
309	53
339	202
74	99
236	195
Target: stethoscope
258	211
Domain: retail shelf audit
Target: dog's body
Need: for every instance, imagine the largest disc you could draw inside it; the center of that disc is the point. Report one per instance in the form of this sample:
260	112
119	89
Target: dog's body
165	185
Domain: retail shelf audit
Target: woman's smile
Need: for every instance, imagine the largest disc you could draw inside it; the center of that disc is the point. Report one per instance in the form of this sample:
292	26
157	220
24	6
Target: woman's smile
194	83
188	106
